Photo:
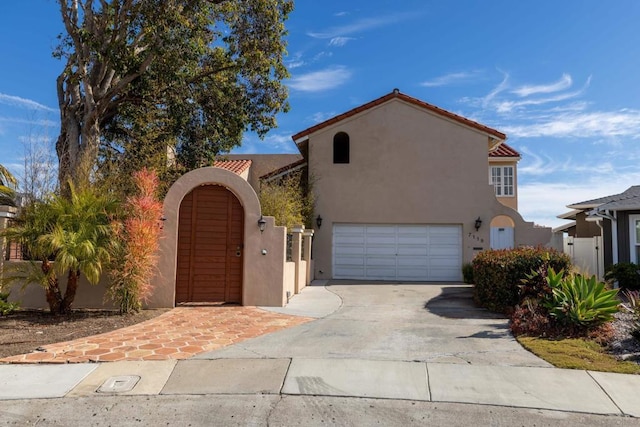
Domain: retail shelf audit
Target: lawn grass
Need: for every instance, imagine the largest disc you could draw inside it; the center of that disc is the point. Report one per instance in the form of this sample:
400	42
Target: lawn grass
577	353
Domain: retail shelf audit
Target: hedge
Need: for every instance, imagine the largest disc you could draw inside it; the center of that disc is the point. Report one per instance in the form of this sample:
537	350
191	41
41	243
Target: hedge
500	274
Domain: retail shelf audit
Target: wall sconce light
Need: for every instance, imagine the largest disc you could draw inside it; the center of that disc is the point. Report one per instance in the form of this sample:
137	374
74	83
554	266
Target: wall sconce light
478	224
319	221
262	224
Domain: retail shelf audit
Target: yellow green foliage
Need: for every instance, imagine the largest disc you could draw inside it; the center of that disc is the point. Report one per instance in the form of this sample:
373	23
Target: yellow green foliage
577	353
284	200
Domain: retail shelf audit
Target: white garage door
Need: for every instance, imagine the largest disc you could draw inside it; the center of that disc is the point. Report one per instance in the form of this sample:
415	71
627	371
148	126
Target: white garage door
397	252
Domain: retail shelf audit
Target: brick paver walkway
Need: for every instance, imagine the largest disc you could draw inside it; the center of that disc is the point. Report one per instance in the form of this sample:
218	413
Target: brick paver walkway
177	334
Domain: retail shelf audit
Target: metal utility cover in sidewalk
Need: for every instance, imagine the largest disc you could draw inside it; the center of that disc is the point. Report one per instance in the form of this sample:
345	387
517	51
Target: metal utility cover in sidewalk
120	384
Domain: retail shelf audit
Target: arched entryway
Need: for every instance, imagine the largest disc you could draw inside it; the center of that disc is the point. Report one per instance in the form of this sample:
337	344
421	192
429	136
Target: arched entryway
210	246
502	232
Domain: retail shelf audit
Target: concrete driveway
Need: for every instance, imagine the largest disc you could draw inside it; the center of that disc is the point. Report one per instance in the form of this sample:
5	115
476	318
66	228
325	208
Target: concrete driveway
400	322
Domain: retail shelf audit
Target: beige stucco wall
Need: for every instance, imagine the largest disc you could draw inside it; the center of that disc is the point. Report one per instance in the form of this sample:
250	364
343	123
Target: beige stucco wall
511	201
87	295
290	278
6	213
407	166
263	256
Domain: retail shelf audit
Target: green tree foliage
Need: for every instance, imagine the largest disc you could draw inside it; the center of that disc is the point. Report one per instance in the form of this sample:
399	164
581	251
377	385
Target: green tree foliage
7	187
136	243
288	199
64	237
141	76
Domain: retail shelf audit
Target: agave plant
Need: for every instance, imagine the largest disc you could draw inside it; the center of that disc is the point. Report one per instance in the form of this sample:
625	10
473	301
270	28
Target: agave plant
579	300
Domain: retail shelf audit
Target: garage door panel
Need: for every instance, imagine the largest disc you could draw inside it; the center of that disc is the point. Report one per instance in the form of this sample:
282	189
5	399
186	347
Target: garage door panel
378	273
373	261
345	239
350	250
413	250
381	240
351	260
413	274
349	272
407	261
381	250
405	252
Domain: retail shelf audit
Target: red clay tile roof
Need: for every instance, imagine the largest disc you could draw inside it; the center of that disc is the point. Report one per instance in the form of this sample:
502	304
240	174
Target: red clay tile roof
235	166
504	150
406	98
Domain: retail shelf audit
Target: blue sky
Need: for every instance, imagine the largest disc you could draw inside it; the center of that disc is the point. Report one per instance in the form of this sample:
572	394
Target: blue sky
560	78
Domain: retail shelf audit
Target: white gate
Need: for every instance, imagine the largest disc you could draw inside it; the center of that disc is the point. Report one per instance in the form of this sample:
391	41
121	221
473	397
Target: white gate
587	254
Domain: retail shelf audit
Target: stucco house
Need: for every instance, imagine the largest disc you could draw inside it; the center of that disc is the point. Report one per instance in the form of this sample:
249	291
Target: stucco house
405	190
608	228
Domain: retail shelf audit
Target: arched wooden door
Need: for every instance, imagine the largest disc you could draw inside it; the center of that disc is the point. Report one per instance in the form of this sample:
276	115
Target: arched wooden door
210	246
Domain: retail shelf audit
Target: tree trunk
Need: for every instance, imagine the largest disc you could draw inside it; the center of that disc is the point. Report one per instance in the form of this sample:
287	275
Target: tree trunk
70	293
52	291
79	139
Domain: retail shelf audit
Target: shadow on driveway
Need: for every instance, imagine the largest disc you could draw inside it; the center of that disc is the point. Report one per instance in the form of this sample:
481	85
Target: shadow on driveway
456	302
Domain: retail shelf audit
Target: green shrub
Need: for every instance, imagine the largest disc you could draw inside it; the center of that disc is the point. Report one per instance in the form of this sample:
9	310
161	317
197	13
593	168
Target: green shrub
627	274
500	275
581	301
467	273
632	305
7	307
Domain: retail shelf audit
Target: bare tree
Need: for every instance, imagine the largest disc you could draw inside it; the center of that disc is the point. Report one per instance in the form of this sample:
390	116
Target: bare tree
39	175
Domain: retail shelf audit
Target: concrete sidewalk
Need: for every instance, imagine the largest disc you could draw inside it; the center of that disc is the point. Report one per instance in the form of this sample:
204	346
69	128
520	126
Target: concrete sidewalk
516	387
466	357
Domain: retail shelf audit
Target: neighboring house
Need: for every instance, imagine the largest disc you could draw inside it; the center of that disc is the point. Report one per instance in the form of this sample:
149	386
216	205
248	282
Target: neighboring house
401	192
607	227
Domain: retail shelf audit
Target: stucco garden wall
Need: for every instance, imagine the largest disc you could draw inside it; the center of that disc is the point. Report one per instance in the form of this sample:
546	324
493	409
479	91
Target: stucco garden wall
263	254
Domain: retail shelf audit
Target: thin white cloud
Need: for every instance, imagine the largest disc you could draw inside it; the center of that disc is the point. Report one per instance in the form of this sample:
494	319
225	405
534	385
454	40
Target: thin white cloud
565	82
295	61
35	122
35	138
321	116
597	124
321	55
16	101
507	106
501	87
343	13
318	81
546	165
450	78
340	41
360	25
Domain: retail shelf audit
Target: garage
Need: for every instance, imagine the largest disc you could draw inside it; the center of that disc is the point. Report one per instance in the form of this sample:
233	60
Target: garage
397	252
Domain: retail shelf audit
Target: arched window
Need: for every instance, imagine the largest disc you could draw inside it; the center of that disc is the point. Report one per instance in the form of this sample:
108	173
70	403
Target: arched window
341	148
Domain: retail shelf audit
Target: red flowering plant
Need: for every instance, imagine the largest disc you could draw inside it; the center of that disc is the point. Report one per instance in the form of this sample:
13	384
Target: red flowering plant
137	238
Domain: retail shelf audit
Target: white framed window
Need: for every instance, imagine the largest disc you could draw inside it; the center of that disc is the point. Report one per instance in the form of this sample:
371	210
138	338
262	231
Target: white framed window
501	177
634	238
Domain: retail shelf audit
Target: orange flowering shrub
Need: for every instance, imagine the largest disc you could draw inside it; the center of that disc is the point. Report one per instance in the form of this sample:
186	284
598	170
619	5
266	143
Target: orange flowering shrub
138	238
